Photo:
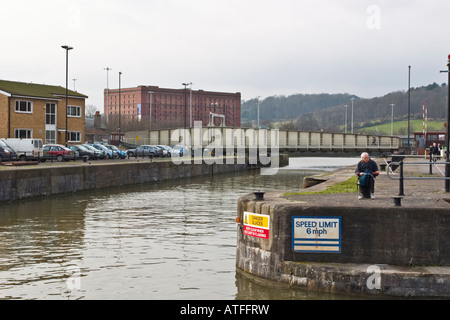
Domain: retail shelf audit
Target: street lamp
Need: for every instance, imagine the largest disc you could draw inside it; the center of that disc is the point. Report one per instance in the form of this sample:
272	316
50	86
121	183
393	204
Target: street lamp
259	102
190	103
150	94
107	93
346	108
409	106
353	99
447	163
67	48
120	76
185	103
392	120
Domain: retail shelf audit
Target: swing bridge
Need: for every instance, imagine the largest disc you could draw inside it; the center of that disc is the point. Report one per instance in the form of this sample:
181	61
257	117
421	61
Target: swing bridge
285	140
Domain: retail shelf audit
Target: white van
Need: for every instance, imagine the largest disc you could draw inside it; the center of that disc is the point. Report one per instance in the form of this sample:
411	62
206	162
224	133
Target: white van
26	148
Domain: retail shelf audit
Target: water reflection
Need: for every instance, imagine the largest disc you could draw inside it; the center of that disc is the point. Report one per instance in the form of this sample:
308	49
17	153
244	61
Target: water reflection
166	240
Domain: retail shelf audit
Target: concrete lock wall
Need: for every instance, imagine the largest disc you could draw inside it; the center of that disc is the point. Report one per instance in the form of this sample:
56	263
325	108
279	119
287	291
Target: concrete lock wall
43	181
22	183
403	242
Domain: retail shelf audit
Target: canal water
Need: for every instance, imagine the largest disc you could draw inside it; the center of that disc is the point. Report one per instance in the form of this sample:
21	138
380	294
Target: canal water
171	240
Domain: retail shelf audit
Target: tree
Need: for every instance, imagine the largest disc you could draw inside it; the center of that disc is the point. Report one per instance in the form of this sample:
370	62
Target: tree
90	110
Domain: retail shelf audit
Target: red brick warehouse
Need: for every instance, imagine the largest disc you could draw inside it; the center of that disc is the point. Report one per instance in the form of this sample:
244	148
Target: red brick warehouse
171	108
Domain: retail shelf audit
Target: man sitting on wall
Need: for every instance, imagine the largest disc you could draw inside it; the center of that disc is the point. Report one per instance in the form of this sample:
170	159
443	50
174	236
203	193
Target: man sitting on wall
367	171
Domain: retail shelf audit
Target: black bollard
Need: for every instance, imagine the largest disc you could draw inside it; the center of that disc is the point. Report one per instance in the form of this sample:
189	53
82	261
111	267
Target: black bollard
431	163
447	174
401	187
398	201
259	195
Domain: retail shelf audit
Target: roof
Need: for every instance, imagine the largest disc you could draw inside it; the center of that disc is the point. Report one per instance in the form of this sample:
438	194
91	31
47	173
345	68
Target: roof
36	90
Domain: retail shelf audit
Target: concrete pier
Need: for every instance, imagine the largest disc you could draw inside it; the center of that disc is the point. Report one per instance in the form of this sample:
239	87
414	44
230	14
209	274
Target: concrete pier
337	243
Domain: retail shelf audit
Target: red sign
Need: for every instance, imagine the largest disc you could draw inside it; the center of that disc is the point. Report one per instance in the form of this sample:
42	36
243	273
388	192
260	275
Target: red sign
256	232
256	225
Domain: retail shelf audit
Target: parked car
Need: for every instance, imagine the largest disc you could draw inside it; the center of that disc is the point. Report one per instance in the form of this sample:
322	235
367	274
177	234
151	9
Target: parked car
143	151
159	151
7	153
84	152
58	152
167	148
164	151
120	154
180	150
25	148
109	153
100	154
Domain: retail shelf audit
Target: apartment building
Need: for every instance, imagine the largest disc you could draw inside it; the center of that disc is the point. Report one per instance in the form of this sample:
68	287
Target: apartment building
165	108
30	110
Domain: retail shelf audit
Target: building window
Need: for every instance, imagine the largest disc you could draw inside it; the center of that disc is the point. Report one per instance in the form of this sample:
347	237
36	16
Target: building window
74	136
50	137
23	133
50	113
74	111
24	106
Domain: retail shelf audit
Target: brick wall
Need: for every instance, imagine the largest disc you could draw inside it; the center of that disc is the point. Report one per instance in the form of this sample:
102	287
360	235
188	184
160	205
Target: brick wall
171	107
35	121
3	116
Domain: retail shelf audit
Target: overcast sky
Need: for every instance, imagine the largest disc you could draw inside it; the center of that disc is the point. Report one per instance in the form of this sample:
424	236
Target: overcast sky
256	47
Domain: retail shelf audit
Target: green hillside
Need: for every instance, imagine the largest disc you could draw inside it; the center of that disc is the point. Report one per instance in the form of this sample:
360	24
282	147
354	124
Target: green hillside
401	127
330	112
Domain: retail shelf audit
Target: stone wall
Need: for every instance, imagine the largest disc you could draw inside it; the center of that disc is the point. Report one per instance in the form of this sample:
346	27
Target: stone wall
405	242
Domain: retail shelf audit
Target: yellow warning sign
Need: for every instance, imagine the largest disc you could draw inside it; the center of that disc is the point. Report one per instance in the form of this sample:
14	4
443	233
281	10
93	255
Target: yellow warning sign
257	220
256	225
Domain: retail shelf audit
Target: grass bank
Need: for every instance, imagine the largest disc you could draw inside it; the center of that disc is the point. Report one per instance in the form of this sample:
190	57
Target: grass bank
348	186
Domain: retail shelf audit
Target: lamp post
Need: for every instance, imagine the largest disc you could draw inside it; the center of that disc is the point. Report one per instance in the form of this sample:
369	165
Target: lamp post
259	102
190	103
353	99
120	76
150	94
107	93
447	162
409	106
67	48
185	84
392	120
346	108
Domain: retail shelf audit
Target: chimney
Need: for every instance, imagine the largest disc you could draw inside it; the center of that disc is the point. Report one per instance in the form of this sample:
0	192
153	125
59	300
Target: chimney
97	120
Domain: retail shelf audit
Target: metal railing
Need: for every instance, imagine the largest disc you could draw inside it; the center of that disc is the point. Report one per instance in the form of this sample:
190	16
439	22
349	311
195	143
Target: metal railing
402	177
285	139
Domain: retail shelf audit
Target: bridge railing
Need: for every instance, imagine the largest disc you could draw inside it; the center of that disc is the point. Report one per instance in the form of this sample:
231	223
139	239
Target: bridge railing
336	141
284	139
